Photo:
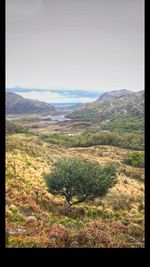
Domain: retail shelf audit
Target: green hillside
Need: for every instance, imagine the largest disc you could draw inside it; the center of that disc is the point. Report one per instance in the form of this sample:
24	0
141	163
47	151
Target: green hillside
123	112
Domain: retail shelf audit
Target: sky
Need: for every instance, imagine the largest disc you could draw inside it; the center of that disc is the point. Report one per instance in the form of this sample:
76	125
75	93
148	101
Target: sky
92	45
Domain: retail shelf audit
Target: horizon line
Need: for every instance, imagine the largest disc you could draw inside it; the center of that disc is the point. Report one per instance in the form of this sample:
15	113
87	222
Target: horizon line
77	89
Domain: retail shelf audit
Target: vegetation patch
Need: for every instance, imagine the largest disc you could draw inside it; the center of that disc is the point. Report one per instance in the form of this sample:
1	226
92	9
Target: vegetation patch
12	127
135	159
126	140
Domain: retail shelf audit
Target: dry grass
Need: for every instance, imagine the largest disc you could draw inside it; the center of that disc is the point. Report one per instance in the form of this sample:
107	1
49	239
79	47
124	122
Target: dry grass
35	218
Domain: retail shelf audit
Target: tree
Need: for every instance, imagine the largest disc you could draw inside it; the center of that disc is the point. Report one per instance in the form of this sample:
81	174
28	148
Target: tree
80	180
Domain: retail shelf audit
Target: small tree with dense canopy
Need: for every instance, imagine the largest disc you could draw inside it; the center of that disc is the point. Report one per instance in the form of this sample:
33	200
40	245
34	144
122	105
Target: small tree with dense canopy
80	180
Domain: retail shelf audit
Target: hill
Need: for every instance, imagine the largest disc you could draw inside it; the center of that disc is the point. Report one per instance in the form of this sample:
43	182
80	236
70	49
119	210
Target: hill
120	106
112	95
16	104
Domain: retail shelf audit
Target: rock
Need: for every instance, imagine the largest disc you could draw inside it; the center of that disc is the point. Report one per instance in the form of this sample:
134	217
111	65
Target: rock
17	231
13	232
133	240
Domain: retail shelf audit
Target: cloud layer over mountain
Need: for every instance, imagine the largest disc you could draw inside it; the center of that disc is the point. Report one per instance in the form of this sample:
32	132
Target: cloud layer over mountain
57	96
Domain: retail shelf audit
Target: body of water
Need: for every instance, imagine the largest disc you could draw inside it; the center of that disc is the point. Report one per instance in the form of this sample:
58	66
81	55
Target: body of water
43	119
58	118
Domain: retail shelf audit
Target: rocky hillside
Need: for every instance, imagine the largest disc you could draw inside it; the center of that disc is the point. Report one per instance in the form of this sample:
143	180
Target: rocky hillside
115	94
16	104
111	106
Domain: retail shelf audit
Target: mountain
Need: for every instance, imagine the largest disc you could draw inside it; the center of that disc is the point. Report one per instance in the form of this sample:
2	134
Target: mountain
122	105
65	105
78	106
16	104
115	94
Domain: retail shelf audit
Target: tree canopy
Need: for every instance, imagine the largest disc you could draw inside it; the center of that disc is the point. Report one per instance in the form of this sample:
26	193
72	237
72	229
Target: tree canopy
79	180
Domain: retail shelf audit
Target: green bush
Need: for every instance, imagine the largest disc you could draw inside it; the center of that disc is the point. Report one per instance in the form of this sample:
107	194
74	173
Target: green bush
128	140
12	127
125	123
80	180
135	158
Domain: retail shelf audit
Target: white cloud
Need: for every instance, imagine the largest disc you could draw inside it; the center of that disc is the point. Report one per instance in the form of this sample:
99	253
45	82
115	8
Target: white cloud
50	97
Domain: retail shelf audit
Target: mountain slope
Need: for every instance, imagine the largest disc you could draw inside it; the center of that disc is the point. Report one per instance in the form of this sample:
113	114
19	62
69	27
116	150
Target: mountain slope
112	105
16	104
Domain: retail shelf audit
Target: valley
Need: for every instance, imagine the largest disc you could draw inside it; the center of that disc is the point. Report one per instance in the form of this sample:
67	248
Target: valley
74	125
34	143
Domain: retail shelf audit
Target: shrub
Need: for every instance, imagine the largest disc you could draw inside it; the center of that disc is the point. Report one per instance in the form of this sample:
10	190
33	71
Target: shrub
121	139
135	158
79	181
94	234
58	232
12	127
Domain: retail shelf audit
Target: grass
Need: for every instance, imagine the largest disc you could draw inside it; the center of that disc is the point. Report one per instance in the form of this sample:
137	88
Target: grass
36	218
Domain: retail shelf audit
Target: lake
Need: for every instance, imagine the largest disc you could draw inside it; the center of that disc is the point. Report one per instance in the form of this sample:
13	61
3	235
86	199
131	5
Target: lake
58	118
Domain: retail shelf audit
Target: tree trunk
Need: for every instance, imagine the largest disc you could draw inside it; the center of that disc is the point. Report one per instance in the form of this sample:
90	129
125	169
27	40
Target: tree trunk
67	208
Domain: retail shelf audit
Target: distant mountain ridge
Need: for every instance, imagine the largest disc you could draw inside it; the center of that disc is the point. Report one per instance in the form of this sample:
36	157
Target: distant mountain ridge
115	94
16	104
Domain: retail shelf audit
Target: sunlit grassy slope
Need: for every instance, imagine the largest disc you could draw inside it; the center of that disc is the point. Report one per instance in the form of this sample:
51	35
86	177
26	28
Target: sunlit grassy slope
35	218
